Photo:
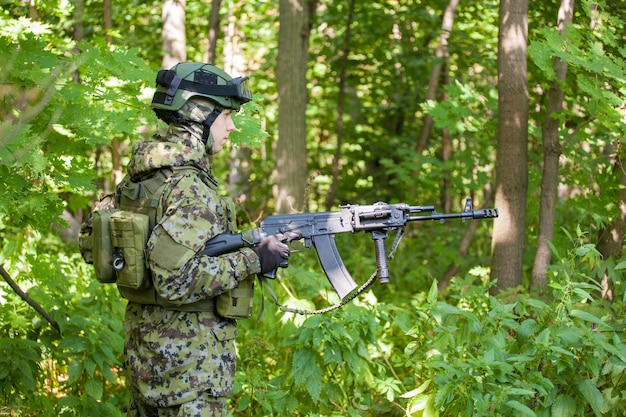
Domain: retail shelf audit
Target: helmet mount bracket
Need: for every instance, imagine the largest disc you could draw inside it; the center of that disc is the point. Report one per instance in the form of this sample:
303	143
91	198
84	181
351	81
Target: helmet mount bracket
171	91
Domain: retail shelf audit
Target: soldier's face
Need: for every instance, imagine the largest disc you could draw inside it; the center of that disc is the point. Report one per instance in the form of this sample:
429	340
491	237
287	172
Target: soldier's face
221	128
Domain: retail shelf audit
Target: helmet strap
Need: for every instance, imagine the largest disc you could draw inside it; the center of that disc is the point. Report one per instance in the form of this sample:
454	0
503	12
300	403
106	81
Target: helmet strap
169	116
206	131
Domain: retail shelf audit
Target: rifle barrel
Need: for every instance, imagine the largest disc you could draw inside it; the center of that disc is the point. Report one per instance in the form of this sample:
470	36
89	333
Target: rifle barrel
472	214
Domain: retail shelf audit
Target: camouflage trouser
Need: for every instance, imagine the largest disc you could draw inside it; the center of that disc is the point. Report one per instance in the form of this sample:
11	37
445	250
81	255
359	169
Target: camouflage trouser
203	406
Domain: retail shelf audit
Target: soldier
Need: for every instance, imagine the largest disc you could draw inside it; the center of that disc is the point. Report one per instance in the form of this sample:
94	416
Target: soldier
179	352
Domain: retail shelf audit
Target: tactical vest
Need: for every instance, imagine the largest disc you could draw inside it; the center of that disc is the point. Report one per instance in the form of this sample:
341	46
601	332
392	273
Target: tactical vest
119	257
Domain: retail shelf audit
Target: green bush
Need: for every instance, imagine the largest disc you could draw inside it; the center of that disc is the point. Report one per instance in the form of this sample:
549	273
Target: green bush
560	354
76	372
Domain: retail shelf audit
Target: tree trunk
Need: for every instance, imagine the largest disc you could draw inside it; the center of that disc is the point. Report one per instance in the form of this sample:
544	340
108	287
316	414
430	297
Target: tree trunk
107	18
213	32
240	164
552	149
116	147
233	56
290	154
33	14
611	238
441	54
507	248
174	39
341	98
79	31
446	153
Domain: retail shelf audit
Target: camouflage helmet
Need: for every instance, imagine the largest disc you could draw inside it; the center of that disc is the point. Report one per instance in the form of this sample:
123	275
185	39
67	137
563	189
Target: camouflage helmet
174	87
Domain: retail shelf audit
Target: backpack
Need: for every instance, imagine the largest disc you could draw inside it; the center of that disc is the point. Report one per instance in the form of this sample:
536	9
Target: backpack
114	241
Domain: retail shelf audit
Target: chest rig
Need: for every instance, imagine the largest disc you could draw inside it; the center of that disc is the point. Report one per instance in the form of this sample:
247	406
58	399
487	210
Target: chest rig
140	209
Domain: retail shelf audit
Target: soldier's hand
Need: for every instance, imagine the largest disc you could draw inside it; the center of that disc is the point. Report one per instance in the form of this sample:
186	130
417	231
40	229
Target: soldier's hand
273	252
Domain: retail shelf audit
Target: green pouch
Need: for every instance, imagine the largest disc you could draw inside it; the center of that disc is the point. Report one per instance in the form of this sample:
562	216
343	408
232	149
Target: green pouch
129	235
92	241
237	303
102	250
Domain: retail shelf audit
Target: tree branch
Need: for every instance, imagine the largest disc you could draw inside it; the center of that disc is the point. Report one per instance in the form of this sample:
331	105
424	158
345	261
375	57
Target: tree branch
27	298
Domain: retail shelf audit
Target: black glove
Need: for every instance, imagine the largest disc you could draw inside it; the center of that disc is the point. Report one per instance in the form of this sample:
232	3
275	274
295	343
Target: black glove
273	252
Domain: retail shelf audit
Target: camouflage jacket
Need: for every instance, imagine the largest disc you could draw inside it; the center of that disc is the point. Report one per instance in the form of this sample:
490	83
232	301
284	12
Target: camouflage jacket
170	356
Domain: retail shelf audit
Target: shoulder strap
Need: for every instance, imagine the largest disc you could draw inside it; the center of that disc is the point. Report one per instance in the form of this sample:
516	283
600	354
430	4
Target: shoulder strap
145	196
204	177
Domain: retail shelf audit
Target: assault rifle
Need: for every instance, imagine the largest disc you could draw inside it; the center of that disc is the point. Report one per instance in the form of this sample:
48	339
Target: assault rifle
319	230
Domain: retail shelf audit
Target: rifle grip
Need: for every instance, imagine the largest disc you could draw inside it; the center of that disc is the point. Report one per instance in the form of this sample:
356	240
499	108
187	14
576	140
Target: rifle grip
382	267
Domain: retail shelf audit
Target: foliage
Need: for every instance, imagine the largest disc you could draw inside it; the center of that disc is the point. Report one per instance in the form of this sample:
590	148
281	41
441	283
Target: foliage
74	373
47	113
323	363
401	349
562	354
51	133
593	109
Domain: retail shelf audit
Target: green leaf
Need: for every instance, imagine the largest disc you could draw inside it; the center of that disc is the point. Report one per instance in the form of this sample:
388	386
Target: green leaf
523	409
528	328
90	365
74	343
417	390
69	401
243	402
306	372
570	336
433	293
417	403
74	371
544	338
94	388
583	315
521	392
564	406
592	394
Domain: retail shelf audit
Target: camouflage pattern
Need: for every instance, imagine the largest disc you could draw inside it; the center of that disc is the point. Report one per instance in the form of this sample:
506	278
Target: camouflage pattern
176	357
203	406
182	145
